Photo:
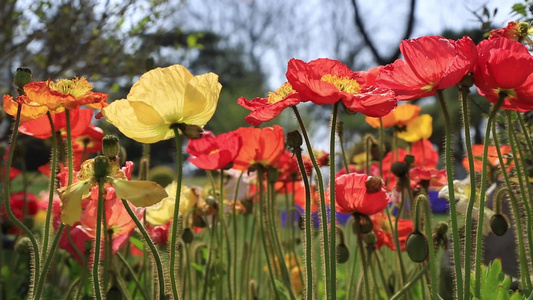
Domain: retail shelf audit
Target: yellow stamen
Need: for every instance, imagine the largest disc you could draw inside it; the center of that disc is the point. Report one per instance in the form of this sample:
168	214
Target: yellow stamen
281	93
77	87
344	84
428	87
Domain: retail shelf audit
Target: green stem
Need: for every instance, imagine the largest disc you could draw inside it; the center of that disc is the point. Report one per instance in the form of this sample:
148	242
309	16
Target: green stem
382	275
473	188
51	186
408	286
525	186
153	249
429	234
133	275
362	252
263	231
483	188
174	234
460	292
524	271
323	211
235	237
396	227
332	171
98	241
69	148
308	241
224	231
381	146
7	205
343	153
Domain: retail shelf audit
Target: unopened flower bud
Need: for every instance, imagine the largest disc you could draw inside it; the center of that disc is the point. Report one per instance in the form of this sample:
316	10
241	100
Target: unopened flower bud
110	146
187	236
409	159
23	76
498	224
23	246
294	139
399	169
417	246
191	131
272	174
373	184
370	238
343	253
365	224
101	165
467	81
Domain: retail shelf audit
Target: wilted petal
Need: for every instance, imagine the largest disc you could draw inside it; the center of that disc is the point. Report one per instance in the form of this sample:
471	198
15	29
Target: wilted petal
71	201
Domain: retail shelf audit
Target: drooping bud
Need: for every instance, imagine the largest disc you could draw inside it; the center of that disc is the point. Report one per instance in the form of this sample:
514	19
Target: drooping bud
191	131
399	169
110	146
373	184
294	139
22	77
440	238
370	238
23	246
417	246
101	165
365	224
467	81
499	224
187	236
343	253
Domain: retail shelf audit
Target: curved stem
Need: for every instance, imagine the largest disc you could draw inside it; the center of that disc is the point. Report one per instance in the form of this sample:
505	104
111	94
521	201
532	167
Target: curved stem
429	234
332	171
174	234
308	249
524	271
323	211
453	211
483	188
408	286
7	205
153	249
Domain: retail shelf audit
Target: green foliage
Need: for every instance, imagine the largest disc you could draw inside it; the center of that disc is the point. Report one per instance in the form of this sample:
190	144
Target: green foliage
495	282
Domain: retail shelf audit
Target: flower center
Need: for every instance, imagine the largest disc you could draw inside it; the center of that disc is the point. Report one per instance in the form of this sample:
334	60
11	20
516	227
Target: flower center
373	184
281	93
428	87
344	84
77	87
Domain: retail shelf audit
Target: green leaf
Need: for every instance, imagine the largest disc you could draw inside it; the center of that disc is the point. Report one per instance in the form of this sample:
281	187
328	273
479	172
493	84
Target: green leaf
492	281
137	243
520	8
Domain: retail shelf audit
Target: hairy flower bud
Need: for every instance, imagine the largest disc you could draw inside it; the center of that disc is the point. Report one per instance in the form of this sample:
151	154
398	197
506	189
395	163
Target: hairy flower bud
101	165
110	146
294	139
23	76
417	246
499	224
343	253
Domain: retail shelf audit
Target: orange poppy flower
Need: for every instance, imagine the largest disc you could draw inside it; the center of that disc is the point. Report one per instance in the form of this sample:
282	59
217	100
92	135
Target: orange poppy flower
214	153
40	128
384	232
260	146
492	156
400	116
513	31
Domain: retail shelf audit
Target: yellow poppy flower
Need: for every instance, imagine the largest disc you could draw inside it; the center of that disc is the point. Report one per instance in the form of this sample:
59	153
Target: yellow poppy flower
163	211
418	129
139	193
399	117
162	99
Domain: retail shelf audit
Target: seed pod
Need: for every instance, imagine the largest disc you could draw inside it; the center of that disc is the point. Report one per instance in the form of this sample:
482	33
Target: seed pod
370	239
365	224
101	164
294	139
110	146
22	77
343	253
417	246
499	224
399	169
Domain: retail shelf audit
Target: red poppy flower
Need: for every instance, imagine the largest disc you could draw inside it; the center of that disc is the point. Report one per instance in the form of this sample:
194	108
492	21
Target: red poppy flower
360	193
214	153
299	197
384	232
326	81
262	146
425	155
288	169
13	172
505	67
266	109
513	31
430	63
17	204
89	141
433	177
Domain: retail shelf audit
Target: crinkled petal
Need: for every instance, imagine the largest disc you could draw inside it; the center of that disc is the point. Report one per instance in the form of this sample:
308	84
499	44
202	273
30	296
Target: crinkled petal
71	201
28	113
373	102
163	89
201	98
139	193
399	77
123	116
262	111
